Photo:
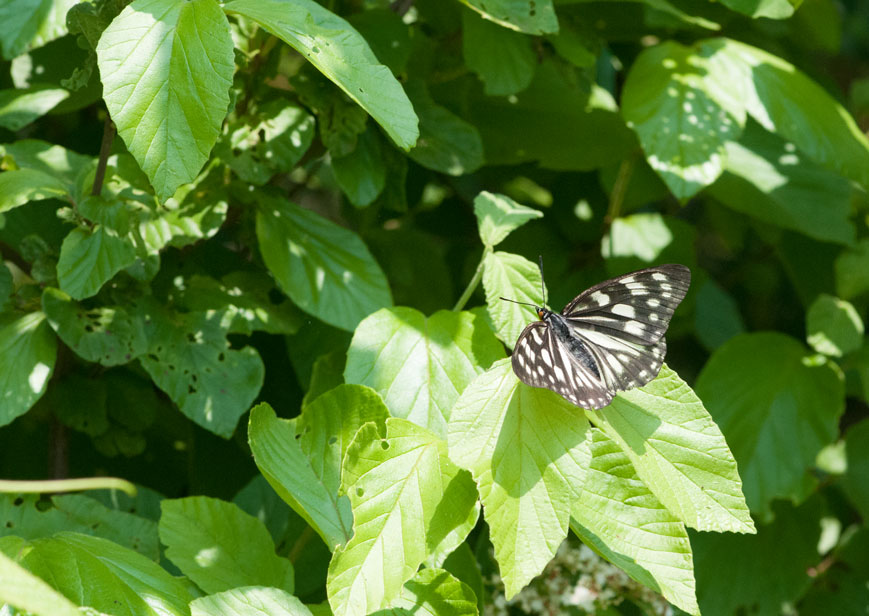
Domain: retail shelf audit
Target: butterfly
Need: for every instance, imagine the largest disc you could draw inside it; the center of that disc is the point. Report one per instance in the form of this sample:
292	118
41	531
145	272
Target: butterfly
610	338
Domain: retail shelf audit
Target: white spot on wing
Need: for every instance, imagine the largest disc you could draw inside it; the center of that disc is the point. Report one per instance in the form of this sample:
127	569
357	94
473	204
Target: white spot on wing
623	310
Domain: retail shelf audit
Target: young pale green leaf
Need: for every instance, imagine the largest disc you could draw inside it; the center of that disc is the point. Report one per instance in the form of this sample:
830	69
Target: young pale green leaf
854	483
514	277
409	503
615	513
776	424
716	315
108	335
530	16
420	364
548	120
852	270
504	60
29	593
190	359
279	456
433	592
28	25
679	452
166	69
21	186
362	174
833	326
447	143
498	216
785	101
770	180
341	54
250	601
325	269
89	259
524	447
684	106
219	546
28	349
758	573
20	107
773	9
101	574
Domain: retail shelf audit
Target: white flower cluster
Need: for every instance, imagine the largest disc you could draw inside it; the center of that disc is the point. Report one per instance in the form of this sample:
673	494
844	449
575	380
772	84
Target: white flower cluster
576	581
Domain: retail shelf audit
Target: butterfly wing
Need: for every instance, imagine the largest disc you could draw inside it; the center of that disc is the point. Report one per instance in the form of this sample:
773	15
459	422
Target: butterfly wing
540	359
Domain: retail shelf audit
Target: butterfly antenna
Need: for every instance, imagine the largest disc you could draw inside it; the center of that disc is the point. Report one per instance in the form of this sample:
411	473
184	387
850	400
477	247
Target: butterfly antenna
516	302
542	284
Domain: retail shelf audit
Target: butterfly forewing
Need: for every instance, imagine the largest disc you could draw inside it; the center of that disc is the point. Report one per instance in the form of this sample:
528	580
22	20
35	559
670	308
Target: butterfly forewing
608	339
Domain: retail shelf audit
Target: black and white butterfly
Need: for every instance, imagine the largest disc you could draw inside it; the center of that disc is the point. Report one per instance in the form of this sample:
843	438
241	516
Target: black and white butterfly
610	338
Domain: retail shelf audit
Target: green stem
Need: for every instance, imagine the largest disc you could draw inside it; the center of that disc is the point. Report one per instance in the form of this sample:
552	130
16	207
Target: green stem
67	485
472	286
617	196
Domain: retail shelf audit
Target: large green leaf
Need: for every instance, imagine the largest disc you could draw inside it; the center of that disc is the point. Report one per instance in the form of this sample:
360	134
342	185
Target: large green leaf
21	186
776	424
28	349
109	335
27	592
28	24
166	69
617	515
498	216
504	60
89	259
361	174
18	108
341	54
531	16
325	269
433	592
517	278
420	364
190	359
249	601
678	452
101	574
523	446
833	326
219	546
408	501
684	109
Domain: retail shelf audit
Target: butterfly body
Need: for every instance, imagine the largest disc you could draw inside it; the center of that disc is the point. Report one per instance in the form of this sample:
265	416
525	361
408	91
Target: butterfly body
608	339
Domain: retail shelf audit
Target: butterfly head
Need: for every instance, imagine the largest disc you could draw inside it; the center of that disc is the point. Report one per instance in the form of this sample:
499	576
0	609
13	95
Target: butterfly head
542	313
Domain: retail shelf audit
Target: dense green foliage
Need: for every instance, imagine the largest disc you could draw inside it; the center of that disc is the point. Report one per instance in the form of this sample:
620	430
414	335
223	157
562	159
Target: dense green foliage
252	259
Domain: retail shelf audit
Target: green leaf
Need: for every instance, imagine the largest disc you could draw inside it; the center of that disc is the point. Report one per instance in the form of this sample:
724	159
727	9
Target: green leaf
684	110
447	143
678	452
833	326
89	259
302	462
615	513
219	546
108	335
397	525
645	239
325	269
101	574
433	592
28	349
504	60
190	359
250	601
362	174
523	446
773	9
776	426
18	108
29	593
29	24
762	572
21	186
498	215
769	179
531	16
179	56
548	120
328	42
420	364
716	316
514	277
852	270
854	482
